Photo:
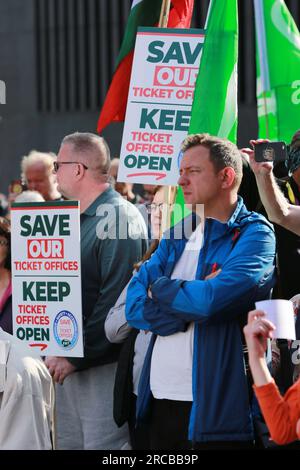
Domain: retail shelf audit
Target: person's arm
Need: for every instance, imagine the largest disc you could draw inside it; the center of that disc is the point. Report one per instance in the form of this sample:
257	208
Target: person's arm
116	327
26	406
142	311
248	268
257	331
281	413
137	293
278	208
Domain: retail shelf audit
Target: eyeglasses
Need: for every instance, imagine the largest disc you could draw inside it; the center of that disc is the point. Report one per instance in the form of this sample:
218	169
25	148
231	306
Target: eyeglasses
154	207
56	165
3	242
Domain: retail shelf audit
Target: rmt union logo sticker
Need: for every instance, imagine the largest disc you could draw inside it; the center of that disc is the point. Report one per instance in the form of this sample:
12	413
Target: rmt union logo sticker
2	92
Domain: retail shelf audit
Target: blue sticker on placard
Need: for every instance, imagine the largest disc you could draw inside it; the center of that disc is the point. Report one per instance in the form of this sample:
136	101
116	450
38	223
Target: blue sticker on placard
65	330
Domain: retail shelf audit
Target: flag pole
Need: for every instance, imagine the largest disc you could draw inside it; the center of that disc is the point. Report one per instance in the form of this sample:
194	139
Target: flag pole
262	56
164	13
207	15
266	116
169	191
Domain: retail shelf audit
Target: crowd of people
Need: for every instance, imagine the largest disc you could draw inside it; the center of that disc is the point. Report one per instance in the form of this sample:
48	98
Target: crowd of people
172	357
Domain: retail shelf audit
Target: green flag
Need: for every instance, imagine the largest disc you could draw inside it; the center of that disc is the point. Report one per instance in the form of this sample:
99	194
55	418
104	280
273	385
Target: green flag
278	70
214	107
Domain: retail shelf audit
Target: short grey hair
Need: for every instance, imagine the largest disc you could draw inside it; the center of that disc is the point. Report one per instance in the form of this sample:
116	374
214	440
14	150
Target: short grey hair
93	149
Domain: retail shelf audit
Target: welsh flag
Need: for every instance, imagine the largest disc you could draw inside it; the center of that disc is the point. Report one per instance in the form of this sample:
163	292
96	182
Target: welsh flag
143	13
214	107
278	70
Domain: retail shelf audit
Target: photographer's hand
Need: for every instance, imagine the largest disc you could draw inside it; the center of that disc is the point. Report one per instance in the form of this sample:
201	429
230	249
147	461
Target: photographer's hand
259	168
277	207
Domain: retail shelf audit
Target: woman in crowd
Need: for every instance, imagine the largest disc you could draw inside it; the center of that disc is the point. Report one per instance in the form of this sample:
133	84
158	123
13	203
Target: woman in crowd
282	414
136	343
5	277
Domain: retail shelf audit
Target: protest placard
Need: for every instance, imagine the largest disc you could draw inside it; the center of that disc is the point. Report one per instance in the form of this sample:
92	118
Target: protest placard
46	277
165	67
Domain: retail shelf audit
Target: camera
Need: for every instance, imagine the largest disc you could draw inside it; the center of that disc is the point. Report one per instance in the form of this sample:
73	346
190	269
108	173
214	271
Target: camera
270	152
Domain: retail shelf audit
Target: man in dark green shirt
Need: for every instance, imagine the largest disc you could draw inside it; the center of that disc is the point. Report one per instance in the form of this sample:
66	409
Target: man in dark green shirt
113	238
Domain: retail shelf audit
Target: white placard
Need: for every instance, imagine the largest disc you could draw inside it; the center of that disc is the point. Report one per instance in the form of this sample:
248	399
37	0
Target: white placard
165	67
46	277
281	313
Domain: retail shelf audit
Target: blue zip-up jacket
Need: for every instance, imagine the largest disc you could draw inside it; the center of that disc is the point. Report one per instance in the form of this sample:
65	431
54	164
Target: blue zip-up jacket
244	250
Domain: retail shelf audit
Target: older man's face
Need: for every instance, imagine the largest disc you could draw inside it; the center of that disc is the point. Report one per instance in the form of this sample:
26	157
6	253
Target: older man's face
40	178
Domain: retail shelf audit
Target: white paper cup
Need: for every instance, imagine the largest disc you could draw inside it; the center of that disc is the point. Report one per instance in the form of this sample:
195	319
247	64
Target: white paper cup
281	313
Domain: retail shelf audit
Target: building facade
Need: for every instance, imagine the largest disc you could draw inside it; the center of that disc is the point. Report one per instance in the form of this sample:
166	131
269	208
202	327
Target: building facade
57	58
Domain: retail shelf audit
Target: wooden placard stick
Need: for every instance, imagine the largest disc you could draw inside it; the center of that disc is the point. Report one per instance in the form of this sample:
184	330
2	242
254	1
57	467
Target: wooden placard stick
169	191
164	13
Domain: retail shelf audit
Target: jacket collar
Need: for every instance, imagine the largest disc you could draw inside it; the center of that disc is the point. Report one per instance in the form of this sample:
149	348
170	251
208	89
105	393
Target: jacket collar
217	229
